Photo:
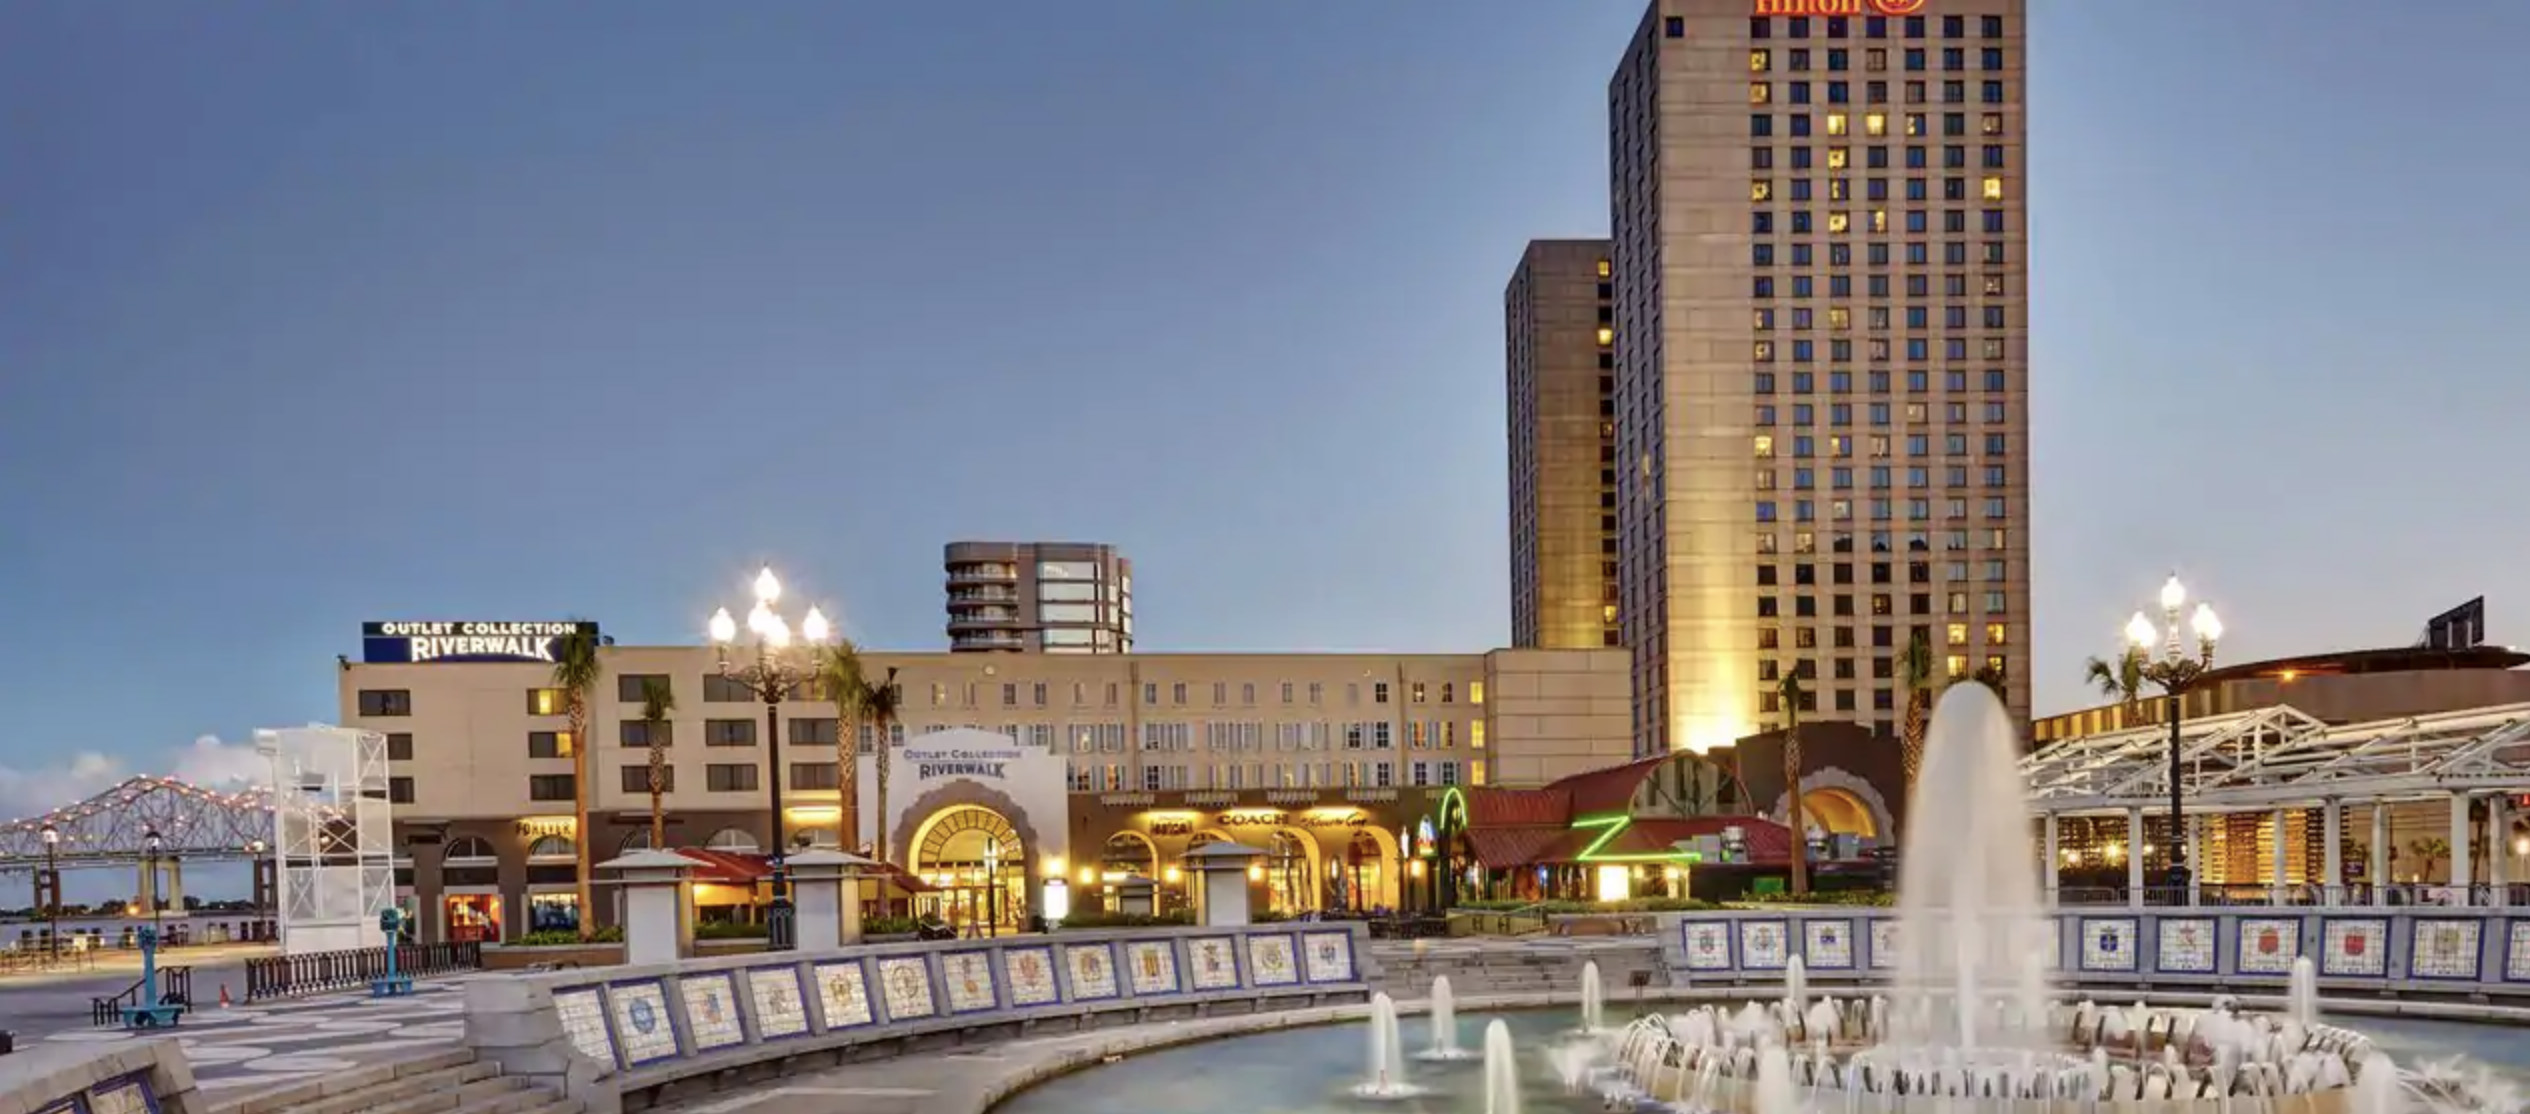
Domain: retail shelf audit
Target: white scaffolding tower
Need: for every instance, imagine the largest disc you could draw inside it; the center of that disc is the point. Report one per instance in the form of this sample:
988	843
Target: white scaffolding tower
335	851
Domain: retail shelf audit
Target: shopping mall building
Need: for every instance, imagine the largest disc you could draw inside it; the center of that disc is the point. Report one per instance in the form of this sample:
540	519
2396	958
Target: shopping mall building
1018	783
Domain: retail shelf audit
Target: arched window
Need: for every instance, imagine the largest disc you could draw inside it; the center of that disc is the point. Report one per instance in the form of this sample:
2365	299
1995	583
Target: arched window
468	849
733	840
816	837
1129	853
553	847
638	840
1291	884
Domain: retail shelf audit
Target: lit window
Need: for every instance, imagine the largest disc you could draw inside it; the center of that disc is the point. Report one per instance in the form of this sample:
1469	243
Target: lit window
1994	189
1876	123
1760	92
1994	634
1764	351
1839	222
1835	123
1879	220
1991	124
1476	772
1761	190
1476	695
1765	446
545	702
1838	317
1958	634
1838	158
1958	665
1759	61
1607	336
1607	613
1603	268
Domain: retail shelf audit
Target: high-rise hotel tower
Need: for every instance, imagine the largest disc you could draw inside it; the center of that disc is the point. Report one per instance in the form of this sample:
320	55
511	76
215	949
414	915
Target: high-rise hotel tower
1560	357
1820	286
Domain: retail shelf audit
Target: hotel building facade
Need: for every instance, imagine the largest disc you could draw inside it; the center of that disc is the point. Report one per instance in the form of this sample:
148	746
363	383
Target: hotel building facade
1559	313
1820	284
1038	597
1012	775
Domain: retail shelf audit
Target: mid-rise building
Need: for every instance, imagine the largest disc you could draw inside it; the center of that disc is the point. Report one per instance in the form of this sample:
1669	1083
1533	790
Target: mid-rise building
1008	772
1032	597
1820	264
1559	334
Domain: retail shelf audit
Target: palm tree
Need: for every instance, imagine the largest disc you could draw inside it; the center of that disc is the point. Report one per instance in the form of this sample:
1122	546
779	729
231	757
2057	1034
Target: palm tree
1915	670
1991	676
576	671
2121	682
839	676
879	707
1791	693
658	702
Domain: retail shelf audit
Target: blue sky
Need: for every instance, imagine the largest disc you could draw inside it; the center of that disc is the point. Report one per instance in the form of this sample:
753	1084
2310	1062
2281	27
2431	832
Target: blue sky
312	315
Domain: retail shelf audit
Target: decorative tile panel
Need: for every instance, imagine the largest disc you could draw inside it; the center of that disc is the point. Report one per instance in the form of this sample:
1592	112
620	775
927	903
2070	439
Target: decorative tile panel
1763	944
780	1009
1884	943
73	1104
2517	952
1092	969
2108	943
2186	946
1029	973
642	1021
2354	947
1827	945
711	1010
2267	945
1213	962
904	983
969	977
2445	948
1327	956
1271	960
130	1095
843	994
583	1015
1151	965
1708	945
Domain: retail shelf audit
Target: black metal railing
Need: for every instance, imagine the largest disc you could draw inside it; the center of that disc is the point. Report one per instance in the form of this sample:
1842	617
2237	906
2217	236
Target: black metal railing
175	988
284	976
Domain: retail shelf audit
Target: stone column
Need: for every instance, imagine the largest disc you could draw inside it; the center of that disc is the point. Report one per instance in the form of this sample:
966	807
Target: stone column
2379	862
1220	871
175	885
826	888
2280	846
2051	871
2460	849
2134	858
2196	855
658	905
2332	878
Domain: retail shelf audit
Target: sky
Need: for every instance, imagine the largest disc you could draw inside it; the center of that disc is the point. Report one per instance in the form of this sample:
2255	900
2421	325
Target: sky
317	314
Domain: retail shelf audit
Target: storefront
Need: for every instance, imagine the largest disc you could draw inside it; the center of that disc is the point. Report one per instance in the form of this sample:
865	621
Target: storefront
1341	855
983	822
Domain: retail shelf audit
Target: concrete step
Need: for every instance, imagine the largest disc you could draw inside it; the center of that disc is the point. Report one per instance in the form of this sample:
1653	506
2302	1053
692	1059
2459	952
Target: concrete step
396	1089
450	1081
490	1089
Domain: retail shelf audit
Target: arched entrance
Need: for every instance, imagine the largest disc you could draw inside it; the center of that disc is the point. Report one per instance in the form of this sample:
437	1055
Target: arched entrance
979	863
1839	812
1291	872
1366	877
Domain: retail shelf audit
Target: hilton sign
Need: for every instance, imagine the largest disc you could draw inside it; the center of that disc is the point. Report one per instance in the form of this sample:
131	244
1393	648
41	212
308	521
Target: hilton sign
1839	7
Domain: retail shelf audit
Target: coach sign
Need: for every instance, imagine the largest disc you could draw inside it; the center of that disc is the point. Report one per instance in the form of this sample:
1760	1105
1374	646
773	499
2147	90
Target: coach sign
447	641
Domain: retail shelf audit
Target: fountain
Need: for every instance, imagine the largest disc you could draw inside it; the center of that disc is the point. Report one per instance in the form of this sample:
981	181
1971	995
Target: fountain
1796	983
1502	1071
1387	1079
2301	1002
1593	999
1444	1024
1968	1023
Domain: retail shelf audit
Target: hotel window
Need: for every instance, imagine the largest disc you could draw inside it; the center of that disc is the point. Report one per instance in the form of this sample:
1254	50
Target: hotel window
1760	92
1475	692
1759	61
721	690
1876	124
548	744
550	787
939	695
1379	693
815	731
629	686
814	775
400	746
386	702
637	733
545	702
729	778
1177	692
1220	694
728	732
400	790
1993	189
1476	772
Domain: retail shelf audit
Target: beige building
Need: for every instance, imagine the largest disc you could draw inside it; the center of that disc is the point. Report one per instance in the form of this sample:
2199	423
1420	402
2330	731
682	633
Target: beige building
1038	597
1321	758
1821	302
1559	333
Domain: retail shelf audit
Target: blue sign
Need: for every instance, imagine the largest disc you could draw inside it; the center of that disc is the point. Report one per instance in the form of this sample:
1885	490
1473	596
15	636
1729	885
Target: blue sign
401	642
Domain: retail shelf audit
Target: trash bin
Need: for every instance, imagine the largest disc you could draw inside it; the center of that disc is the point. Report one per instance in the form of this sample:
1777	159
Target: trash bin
8	1042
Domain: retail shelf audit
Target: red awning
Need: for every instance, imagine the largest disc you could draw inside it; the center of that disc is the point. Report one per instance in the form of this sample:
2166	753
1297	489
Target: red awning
1504	848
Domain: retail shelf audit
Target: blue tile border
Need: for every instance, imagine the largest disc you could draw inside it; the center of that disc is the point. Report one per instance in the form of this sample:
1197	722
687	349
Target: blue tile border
2328	959
1256	978
2161	953
1238	963
1783	933
2515	952
1053	975
2477	953
2132	956
871	999
1853	946
1729	957
1352	961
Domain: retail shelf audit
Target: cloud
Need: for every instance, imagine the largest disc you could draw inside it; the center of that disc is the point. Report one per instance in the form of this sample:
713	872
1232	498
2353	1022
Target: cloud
209	763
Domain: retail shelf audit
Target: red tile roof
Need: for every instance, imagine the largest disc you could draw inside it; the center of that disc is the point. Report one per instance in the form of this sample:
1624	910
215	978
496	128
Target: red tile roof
1609	790
1503	848
1505	808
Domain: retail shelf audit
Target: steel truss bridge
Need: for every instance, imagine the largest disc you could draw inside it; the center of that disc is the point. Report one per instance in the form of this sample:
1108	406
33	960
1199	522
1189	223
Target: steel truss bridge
111	829
2281	757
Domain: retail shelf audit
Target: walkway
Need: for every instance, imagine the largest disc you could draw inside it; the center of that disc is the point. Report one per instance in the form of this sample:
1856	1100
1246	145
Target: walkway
263	1044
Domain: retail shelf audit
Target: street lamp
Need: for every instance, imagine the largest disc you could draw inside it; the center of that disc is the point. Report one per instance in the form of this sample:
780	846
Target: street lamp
150	843
773	666
52	892
2174	671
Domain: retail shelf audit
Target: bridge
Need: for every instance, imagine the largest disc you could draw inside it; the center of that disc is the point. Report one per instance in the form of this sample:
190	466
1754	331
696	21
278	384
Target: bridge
113	828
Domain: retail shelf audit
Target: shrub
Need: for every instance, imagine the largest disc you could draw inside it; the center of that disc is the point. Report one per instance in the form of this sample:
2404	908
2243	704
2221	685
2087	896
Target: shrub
728	930
1568	908
1125	920
887	926
563	937
1864	898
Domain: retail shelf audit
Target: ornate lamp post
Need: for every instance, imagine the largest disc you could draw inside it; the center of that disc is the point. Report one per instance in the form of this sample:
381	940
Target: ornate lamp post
2174	671
150	843
52	891
772	666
